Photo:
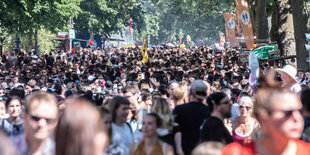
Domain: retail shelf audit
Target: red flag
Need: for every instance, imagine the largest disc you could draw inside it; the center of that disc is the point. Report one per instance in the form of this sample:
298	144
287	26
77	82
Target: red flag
180	40
130	20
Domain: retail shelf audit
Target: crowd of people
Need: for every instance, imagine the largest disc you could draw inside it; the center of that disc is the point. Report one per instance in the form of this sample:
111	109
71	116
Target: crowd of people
193	101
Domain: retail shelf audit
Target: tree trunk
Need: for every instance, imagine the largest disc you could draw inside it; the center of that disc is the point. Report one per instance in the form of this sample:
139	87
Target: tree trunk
261	22
30	44
1	45
283	33
300	16
36	40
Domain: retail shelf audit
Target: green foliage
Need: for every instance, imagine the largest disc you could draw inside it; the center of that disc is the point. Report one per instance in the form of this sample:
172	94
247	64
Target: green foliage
107	16
45	39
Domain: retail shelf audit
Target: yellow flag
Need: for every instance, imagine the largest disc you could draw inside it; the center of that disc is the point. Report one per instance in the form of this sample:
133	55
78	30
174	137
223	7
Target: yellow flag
144	52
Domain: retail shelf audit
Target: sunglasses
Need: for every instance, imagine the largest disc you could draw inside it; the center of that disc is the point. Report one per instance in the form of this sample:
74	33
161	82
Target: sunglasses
289	113
245	107
48	120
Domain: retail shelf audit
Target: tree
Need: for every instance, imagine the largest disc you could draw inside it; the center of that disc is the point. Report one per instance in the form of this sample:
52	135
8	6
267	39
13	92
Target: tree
282	29
300	14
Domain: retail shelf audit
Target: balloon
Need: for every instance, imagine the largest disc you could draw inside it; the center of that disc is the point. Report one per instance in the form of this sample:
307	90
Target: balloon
91	42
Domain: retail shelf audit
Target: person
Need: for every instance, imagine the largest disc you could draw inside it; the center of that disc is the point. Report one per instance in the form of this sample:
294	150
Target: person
197	111
244	126
6	146
208	148
278	111
179	96
169	131
305	100
40	120
288	74
106	117
80	130
151	145
122	134
2	110
301	77
213	128
14	124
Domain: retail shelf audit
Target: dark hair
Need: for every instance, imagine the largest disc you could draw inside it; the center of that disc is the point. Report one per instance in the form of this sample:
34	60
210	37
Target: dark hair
215	98
115	103
7	103
305	100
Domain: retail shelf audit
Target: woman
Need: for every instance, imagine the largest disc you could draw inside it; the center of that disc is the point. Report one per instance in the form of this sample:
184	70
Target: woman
278	111
244	126
168	132
14	124
122	134
106	118
179	96
80	130
151	145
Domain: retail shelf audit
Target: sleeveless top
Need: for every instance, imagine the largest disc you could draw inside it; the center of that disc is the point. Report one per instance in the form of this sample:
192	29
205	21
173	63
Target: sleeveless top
160	149
238	137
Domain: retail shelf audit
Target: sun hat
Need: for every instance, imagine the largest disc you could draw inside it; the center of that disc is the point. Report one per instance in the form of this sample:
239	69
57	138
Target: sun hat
289	70
199	89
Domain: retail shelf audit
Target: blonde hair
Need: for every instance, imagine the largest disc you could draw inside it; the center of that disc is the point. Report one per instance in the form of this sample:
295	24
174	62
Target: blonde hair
161	108
2	110
246	99
179	93
208	148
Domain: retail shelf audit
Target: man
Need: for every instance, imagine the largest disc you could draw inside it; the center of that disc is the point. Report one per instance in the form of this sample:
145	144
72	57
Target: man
300	77
213	128
191	115
40	119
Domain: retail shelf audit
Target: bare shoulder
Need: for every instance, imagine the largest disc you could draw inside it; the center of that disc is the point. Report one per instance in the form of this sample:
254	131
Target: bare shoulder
228	121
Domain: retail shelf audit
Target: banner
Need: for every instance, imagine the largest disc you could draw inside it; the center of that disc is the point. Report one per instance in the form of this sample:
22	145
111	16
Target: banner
245	22
144	52
230	23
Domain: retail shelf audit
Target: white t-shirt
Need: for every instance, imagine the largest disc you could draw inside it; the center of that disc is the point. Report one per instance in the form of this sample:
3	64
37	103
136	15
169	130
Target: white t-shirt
122	136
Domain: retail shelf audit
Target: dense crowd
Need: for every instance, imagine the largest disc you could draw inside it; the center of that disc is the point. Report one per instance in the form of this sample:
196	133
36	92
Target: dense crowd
196	101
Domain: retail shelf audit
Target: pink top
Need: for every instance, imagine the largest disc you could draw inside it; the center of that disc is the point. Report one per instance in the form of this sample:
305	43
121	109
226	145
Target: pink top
238	137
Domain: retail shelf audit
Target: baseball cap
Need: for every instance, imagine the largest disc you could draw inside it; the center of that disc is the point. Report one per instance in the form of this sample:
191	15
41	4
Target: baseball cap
199	89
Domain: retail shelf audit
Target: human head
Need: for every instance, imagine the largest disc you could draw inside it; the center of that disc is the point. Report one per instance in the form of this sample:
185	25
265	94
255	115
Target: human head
305	100
300	74
278	110
80	129
208	148
219	102
161	108
40	116
180	94
171	88
198	90
106	118
14	106
119	106
131	93
245	106
151	122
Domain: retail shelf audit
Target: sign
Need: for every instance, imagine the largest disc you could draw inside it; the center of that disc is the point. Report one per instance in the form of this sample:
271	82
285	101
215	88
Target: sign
71	34
231	24
231	29
245	17
242	12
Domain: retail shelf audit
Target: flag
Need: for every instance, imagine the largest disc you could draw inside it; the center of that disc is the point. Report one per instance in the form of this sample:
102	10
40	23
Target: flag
130	20
144	52
180	40
230	23
245	21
